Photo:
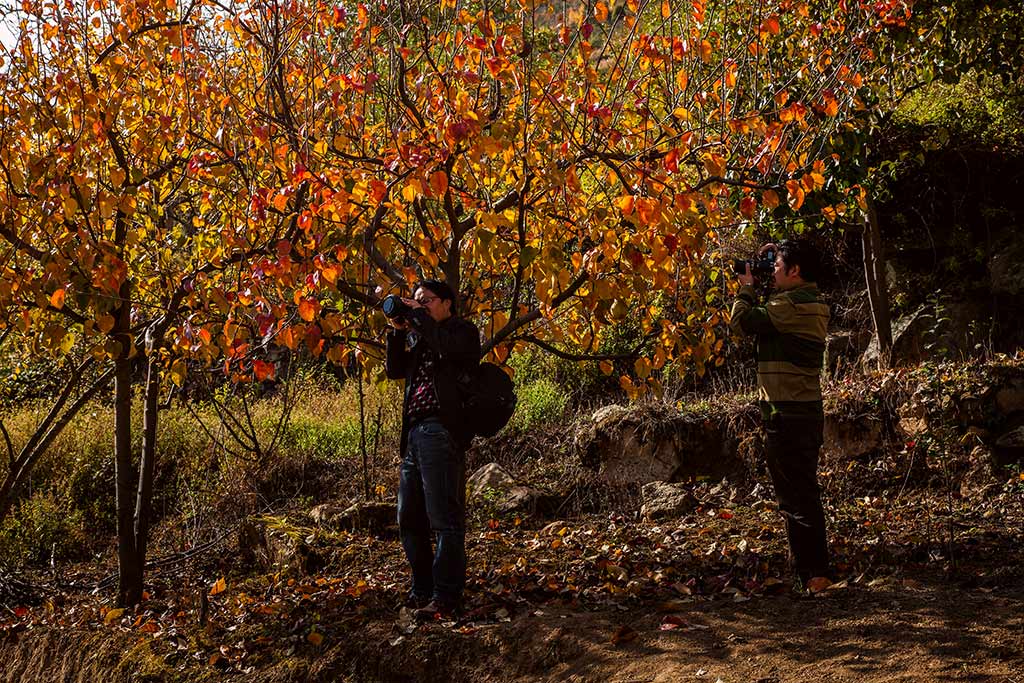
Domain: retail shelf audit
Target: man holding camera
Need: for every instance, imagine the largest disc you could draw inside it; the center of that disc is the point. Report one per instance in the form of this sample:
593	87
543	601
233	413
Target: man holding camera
790	332
430	348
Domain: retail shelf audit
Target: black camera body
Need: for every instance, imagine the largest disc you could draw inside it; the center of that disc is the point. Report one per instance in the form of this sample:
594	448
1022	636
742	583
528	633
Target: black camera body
394	308
761	268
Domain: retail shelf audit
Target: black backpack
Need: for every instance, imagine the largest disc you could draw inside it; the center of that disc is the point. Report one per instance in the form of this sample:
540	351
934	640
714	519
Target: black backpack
488	399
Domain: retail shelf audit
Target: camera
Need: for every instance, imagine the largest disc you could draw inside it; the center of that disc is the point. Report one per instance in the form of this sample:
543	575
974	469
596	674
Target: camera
761	268
394	308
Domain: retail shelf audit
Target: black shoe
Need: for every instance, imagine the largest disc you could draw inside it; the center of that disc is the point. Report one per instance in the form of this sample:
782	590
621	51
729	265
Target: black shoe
436	610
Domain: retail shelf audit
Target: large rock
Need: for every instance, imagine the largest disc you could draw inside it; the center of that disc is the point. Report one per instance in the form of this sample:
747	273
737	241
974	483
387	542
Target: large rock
1009	449
655	442
949	330
663	500
272	544
1006	270
372	516
852	437
845	347
1010	398
490	476
506	494
907	338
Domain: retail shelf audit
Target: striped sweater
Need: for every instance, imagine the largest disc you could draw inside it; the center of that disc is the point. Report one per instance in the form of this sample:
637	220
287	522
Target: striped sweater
790	331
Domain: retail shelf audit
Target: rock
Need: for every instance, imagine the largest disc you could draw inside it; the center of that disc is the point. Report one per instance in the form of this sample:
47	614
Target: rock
978	481
1009	449
490	476
946	330
271	544
907	338
1010	398
1006	270
656	442
845	347
852	437
372	516
508	495
323	514
664	500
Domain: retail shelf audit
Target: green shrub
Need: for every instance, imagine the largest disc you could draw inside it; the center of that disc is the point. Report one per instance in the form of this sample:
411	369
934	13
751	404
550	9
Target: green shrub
43	527
542	401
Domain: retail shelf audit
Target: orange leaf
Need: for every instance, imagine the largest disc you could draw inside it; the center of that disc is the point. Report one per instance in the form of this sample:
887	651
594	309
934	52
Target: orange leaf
57	299
672	160
438	183
307	309
666	9
263	370
770	199
219	586
747	206
796	194
601	11
625	204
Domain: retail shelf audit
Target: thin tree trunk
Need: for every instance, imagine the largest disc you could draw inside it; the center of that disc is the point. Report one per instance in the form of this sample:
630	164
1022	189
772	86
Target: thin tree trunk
878	293
129	590
147	464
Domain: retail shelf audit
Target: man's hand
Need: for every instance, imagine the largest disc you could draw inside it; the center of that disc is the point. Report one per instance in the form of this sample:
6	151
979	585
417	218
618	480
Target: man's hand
766	247
747	279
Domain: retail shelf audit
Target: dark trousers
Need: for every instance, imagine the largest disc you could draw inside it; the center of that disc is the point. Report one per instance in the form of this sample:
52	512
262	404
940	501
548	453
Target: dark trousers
432	503
792	446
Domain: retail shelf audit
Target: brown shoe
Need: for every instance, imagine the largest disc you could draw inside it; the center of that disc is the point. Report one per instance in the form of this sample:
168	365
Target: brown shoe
435	610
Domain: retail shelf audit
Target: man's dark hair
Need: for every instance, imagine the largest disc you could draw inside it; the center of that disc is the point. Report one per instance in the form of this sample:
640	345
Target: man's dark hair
801	253
440	289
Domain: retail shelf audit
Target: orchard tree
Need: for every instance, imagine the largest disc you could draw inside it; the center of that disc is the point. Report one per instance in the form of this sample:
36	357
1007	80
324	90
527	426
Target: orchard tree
105	222
565	167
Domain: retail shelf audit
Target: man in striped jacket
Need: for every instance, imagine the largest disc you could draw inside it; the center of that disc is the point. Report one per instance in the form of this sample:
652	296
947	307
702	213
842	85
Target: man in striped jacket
790	332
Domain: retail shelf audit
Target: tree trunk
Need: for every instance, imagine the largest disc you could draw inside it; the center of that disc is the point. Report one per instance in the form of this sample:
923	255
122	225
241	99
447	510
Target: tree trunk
878	293
147	464
129	589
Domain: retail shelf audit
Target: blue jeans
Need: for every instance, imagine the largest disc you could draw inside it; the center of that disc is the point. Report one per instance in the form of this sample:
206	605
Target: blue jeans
432	502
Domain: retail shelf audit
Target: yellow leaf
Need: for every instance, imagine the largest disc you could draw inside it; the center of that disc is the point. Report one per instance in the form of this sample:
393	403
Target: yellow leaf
178	372
113	615
219	586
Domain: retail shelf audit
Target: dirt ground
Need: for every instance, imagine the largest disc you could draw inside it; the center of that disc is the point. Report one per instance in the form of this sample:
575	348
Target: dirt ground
924	597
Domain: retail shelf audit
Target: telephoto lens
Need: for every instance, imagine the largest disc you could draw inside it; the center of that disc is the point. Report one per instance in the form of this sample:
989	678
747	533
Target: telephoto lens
394	307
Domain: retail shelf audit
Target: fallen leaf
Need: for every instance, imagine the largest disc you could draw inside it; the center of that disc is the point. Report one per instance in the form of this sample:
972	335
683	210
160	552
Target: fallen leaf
219	586
818	584
315	638
113	615
670	623
623	634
